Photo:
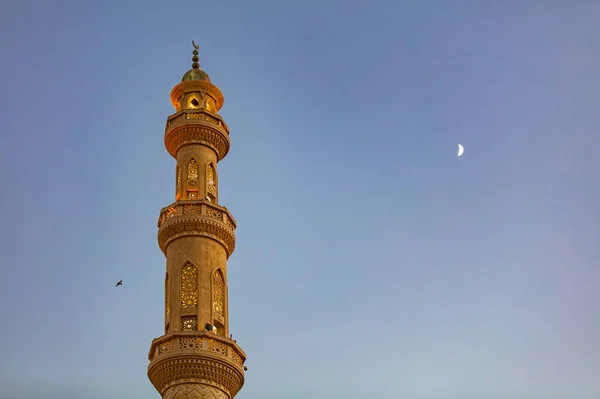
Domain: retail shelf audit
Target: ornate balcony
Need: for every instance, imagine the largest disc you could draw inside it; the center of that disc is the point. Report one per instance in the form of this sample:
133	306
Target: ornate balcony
196	218
197	127
196	355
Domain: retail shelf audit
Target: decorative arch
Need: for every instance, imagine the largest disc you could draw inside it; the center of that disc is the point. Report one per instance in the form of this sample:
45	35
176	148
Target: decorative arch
194	102
178	184
192	179
189	286
211	182
218	292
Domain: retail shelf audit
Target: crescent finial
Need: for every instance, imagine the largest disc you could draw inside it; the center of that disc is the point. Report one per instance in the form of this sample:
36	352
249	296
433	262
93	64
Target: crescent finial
195	58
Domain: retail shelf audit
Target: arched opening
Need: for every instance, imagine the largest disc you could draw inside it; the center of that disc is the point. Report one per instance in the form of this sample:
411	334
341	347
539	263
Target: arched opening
193	103
218	301
211	182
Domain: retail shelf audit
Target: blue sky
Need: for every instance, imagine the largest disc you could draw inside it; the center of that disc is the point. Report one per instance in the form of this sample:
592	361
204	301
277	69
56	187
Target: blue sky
370	260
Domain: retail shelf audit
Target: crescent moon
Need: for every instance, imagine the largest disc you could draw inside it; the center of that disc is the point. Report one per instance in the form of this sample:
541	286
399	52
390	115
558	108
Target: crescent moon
461	149
195	45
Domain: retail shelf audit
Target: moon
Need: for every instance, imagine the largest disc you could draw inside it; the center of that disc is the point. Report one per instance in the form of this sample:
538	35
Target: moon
461	149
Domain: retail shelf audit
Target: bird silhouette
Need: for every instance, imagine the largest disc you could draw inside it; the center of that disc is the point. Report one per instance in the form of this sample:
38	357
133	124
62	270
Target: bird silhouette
119	283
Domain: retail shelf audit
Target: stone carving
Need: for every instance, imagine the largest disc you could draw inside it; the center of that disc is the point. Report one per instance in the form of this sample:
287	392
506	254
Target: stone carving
192	179
194	391
215	214
217	346
189	323
189	286
190	343
191	210
218	294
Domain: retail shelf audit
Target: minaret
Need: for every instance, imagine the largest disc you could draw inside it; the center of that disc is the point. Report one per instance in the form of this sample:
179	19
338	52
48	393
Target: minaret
196	358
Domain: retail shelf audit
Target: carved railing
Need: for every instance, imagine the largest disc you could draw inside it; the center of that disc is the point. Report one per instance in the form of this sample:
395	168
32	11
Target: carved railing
191	116
200	208
189	342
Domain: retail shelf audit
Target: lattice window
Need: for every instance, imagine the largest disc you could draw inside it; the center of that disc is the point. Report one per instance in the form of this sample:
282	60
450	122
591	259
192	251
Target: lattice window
192	179
189	323
189	286
178	184
211	184
218	287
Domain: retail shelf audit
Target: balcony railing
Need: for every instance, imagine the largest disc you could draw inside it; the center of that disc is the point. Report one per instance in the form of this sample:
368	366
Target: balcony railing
186	342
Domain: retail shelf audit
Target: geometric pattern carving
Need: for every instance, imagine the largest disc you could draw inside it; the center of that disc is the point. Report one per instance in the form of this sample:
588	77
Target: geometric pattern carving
190	343
191	210
215	214
166	346
218	347
189	323
194	391
236	358
172	211
210	180
189	286
218	293
192	179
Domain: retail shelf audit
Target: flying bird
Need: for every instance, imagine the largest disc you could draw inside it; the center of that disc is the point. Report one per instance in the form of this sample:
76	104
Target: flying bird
119	283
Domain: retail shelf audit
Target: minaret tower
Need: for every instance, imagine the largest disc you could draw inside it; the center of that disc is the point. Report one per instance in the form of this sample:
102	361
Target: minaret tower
196	358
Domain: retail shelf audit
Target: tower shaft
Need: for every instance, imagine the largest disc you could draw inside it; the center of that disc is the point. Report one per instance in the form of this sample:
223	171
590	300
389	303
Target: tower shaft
196	358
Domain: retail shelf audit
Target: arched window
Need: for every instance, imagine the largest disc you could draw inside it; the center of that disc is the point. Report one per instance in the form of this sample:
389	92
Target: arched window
178	184
218	293
189	286
192	179
211	183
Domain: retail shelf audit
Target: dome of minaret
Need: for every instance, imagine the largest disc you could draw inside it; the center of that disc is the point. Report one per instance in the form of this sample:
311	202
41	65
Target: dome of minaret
195	73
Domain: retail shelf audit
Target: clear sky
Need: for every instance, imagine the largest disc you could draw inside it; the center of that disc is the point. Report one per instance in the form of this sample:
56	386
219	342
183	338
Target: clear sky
371	261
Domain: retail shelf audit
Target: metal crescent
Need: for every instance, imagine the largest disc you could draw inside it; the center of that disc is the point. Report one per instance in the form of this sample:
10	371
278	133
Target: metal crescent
195	45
